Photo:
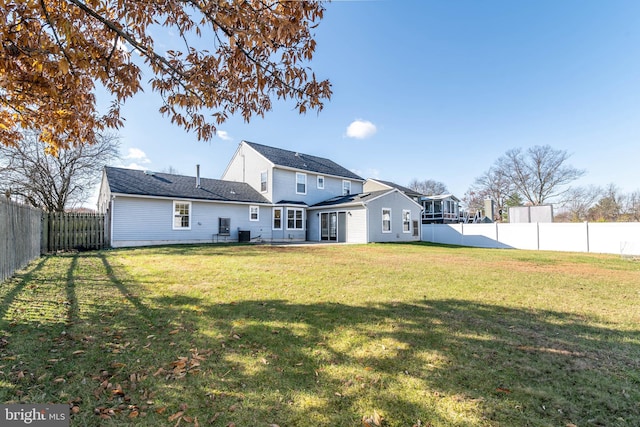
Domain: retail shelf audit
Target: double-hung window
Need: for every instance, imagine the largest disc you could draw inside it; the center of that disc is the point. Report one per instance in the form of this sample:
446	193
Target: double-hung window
224	226
406	221
346	187
295	219
264	176
254	213
277	218
301	183
386	220
181	215
320	182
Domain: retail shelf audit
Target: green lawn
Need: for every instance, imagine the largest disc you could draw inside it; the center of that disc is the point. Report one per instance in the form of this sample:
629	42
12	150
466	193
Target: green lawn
404	335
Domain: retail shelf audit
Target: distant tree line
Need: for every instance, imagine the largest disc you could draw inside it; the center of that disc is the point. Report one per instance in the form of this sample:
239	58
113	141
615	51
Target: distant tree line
599	204
541	175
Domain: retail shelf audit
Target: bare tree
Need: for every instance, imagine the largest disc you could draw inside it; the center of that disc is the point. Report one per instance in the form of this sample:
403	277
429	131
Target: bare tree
578	200
632	206
610	206
539	174
54	183
494	185
428	187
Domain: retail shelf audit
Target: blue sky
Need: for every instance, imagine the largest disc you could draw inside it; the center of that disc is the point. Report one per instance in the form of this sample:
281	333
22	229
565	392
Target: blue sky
446	87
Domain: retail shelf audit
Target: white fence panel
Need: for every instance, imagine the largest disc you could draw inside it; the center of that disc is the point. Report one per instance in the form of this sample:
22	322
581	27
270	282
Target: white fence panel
481	236
450	234
569	237
521	236
612	238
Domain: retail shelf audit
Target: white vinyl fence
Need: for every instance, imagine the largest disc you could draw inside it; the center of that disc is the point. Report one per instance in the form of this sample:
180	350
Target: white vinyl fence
621	238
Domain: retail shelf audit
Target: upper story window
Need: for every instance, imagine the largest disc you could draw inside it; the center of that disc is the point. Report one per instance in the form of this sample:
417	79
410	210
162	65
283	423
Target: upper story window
181	215
346	187
301	183
263	181
386	220
320	182
254	213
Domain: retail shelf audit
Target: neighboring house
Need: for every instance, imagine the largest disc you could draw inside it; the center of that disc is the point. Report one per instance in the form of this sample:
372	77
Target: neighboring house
441	209
265	194
437	209
378	184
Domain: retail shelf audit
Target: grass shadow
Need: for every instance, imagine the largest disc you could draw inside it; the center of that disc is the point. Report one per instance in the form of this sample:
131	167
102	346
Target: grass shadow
123	355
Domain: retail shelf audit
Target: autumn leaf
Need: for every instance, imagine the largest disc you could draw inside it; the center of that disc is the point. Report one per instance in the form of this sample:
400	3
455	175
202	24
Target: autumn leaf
54	55
175	416
375	420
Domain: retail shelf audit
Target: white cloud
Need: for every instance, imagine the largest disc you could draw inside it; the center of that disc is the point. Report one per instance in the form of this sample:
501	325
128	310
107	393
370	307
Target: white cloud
224	135
137	158
361	129
138	155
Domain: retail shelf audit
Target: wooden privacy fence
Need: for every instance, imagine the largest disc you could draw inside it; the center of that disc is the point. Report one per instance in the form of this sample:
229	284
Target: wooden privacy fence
20	231
74	231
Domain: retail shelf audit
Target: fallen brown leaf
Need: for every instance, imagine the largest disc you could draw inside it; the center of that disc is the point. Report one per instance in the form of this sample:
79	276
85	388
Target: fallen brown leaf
176	416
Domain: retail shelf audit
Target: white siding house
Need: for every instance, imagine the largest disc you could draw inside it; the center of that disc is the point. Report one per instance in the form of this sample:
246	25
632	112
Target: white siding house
265	194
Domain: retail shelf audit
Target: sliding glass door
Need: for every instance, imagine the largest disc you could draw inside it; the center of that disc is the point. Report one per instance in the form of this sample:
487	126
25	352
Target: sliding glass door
329	226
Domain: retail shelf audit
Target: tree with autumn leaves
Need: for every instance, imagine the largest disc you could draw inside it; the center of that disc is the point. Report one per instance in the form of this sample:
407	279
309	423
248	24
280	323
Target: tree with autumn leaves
235	57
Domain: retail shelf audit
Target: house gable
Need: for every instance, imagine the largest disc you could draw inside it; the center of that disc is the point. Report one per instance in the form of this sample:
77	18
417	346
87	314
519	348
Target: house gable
377	184
287	175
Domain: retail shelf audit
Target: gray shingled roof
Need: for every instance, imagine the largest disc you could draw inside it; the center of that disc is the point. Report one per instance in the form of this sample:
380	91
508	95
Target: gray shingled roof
409	192
351	199
137	182
304	162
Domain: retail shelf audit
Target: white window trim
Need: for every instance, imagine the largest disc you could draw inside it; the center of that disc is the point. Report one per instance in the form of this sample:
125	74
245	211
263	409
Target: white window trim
266	181
294	218
305	182
318	179
220	232
390	221
404	212
274	217
257	209
345	181
173	218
